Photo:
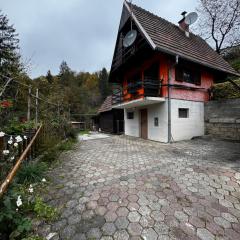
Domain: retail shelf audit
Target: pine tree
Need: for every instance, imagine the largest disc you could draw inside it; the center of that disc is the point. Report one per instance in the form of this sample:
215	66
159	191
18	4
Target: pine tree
65	73
9	57
49	77
103	83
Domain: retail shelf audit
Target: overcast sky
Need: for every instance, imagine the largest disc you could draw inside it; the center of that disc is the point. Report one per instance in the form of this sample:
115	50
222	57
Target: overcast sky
81	32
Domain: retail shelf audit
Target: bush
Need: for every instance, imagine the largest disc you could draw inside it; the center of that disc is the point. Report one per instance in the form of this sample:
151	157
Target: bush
13	223
226	90
45	211
50	156
66	146
17	128
31	172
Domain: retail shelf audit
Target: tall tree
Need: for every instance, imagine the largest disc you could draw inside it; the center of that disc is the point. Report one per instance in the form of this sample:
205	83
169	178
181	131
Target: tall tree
49	77
65	73
103	83
219	22
9	57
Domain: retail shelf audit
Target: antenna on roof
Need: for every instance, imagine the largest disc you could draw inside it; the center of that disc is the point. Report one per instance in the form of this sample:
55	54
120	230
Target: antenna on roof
191	18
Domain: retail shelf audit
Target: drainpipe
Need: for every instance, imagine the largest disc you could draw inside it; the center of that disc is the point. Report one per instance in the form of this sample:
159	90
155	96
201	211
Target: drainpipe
169	100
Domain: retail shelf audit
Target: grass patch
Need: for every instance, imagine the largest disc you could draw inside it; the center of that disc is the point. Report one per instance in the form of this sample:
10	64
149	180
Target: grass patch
31	172
84	132
67	145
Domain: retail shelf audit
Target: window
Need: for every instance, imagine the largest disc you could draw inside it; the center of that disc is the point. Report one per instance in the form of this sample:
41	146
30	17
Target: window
184	74
156	122
130	115
183	112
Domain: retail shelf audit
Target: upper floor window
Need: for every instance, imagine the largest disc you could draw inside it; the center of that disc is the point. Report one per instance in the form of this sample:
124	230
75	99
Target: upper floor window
185	74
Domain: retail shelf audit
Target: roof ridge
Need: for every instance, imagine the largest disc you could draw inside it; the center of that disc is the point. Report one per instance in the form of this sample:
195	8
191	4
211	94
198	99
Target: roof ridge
160	18
155	15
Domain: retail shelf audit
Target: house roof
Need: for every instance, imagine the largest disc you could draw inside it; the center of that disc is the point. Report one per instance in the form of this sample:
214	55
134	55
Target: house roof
169	38
107	105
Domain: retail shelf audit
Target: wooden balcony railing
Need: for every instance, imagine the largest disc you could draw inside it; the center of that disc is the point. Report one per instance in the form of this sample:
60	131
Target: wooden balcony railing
136	90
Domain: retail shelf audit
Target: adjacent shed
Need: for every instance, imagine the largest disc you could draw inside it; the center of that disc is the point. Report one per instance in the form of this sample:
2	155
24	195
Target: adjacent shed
110	120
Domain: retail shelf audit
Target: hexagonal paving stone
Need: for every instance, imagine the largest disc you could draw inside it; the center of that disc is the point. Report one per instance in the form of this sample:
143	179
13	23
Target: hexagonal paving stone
91	205
79	236
134	229
132	206
157	216
222	222
146	221
108	229
73	219
144	210
149	234
88	214
112	206
161	228
134	216
181	216
204	234
110	216
121	235
94	233
68	232
229	217
122	212
197	222
100	210
113	197
121	223
106	238
132	198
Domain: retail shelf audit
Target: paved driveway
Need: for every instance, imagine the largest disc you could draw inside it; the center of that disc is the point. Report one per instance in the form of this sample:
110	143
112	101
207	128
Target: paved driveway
126	188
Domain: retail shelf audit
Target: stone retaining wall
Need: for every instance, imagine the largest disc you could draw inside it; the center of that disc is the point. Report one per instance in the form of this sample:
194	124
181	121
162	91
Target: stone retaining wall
222	119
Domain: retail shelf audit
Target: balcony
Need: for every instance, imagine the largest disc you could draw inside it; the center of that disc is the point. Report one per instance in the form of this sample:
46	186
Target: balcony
138	93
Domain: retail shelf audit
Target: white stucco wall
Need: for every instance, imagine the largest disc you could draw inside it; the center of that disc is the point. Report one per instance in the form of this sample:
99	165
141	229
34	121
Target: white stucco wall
182	128
132	125
159	133
187	128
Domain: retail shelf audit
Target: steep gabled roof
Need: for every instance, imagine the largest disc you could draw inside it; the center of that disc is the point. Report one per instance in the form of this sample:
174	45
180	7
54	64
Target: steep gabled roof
107	105
169	38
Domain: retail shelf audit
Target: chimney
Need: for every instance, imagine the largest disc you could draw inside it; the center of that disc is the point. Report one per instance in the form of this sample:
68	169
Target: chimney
182	24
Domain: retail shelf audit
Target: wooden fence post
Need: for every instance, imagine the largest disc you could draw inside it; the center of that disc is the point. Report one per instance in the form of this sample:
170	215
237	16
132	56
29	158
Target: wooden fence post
29	104
1	147
36	113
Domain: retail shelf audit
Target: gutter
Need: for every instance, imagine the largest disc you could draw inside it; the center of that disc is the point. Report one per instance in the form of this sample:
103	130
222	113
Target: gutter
169	100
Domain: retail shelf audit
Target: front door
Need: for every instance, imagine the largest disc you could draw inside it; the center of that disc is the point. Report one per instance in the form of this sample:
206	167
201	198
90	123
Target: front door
144	123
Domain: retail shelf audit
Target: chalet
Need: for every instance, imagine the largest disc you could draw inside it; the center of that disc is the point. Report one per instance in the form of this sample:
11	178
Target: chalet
162	75
108	119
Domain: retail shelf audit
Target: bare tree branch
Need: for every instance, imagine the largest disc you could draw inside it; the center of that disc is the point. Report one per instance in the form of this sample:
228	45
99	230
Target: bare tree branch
219	22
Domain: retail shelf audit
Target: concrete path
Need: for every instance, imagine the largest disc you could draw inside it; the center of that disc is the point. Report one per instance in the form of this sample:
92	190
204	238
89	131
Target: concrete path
126	188
92	136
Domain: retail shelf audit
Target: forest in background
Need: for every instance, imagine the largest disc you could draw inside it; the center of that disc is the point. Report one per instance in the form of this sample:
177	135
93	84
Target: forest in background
68	92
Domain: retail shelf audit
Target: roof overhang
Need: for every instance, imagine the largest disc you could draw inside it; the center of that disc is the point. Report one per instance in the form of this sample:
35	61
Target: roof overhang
141	102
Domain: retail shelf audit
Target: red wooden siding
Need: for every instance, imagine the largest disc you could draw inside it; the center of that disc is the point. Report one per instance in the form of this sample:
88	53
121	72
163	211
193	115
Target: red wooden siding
164	65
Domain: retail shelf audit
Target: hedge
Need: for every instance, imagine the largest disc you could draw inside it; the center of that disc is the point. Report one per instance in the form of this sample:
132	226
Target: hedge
226	90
